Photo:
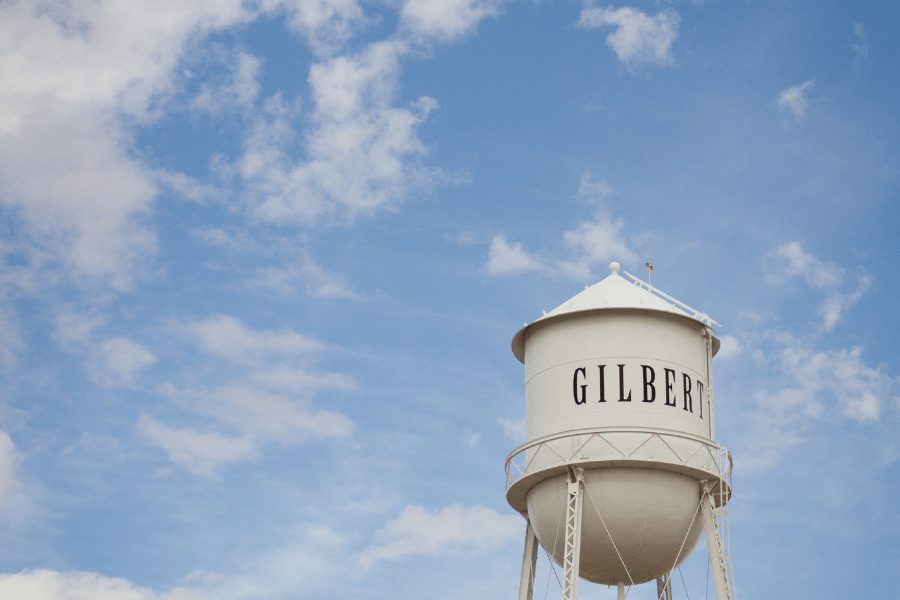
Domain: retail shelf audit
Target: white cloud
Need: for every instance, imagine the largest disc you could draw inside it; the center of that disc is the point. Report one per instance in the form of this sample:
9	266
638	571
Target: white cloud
316	281
417	531
68	73
862	48
515	430
241	90
815	385
76	329
510	259
790	261
226	336
798	263
267	415
360	150
44	584
284	377
8	459
81	196
638	38
11	343
257	414
75	79
305	566
444	19
592	190
326	24
837	303
267	396
118	361
596	242
199	452
731	346
793	99
470	437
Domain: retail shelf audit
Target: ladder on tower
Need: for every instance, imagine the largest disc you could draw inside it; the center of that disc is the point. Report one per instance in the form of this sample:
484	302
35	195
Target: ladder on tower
715	522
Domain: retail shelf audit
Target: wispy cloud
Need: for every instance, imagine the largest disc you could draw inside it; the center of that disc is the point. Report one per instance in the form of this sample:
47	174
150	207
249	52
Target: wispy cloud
862	47
514	429
199	452
270	383
794	100
228	337
638	38
8	459
239	89
812	385
306	274
417	531
790	261
55	585
118	361
280	416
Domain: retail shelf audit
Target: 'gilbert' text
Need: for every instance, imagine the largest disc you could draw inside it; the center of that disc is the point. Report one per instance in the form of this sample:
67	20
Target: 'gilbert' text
670	387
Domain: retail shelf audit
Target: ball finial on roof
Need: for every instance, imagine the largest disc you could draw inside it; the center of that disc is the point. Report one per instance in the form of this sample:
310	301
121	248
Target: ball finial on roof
614	267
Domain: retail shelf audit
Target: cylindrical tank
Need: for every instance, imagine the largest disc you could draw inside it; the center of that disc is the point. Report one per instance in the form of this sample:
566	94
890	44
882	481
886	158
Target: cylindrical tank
618	383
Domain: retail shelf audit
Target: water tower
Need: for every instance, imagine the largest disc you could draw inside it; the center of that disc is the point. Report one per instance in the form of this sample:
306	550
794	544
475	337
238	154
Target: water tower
620	473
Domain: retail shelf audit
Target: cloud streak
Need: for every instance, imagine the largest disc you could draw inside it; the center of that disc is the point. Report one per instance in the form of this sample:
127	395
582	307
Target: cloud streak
417	531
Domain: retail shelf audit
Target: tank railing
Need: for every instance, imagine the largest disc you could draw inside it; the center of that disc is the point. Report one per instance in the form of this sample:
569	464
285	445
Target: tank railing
702	317
718	460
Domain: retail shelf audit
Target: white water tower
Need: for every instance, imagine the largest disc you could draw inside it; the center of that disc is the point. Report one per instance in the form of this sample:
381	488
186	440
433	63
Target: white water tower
620	473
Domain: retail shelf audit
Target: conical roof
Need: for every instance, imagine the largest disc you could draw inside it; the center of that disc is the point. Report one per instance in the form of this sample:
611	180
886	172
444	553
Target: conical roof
614	292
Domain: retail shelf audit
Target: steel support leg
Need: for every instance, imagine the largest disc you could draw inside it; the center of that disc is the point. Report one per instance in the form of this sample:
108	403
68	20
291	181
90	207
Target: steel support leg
716	548
664	587
529	560
572	556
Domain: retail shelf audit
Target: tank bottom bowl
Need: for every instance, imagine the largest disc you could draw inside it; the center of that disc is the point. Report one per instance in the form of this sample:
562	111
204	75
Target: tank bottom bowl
650	518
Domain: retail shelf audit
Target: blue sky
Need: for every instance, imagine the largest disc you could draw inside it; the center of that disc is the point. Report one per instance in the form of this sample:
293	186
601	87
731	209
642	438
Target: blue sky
262	262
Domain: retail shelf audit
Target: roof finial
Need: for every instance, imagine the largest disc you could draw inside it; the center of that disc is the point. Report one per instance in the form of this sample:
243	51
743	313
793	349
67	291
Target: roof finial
649	271
614	267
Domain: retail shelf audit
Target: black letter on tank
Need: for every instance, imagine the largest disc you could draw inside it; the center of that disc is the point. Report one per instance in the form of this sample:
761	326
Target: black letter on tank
688	401
575	386
648	383
602	385
622	397
700	394
670	386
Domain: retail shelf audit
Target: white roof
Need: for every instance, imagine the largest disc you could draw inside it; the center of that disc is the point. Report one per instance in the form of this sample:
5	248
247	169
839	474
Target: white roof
615	292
